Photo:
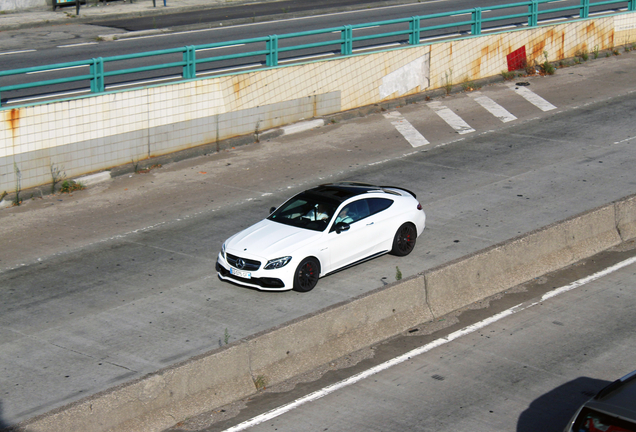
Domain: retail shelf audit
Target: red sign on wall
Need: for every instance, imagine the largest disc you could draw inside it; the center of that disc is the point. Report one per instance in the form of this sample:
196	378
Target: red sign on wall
517	59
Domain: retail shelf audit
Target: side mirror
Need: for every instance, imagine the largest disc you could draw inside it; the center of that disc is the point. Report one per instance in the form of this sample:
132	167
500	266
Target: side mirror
272	210
341	226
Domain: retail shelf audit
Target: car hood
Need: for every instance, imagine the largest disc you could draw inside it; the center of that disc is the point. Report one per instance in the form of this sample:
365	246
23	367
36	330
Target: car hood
269	240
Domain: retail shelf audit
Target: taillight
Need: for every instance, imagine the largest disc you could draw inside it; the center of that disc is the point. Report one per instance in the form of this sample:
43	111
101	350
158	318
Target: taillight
419	206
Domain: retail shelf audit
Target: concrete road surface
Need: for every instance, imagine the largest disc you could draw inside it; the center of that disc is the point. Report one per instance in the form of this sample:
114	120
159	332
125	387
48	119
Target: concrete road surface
110	283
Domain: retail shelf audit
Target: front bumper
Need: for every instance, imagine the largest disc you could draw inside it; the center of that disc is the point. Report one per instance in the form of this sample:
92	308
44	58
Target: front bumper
265	280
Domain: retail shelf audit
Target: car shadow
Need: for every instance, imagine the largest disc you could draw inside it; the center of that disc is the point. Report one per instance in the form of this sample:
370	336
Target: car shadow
3	425
551	411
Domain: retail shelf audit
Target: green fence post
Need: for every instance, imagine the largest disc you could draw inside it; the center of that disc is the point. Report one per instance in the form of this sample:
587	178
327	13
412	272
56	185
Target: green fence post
475	27
414	27
190	66
584	10
631	5
533	13
97	71
271	59
346	47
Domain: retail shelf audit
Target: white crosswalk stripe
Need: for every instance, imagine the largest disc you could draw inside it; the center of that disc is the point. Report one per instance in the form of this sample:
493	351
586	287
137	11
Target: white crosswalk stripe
453	120
416	139
532	97
493	107
407	130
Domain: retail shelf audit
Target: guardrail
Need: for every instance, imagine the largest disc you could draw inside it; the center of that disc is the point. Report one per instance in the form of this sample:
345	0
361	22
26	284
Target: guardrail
410	33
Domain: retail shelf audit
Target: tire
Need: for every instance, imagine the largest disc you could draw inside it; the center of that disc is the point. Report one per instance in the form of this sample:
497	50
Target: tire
404	240
307	274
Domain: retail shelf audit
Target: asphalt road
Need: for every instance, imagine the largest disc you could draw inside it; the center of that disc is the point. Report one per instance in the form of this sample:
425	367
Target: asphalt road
117	281
527	372
107	38
69	40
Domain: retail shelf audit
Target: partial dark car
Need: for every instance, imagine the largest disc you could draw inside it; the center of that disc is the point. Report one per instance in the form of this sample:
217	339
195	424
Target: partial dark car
613	409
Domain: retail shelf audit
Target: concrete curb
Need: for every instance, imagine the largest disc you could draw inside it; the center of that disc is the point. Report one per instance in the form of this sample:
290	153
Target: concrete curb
210	380
302	126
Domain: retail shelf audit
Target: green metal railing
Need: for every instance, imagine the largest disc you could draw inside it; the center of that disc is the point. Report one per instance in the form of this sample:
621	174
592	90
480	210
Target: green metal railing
411	32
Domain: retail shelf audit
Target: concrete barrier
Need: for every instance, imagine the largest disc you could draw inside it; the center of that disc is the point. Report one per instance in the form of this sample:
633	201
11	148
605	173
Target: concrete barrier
311	341
502	266
211	380
626	218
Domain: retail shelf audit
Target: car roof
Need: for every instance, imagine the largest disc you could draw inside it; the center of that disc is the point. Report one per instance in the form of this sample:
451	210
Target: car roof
342	191
618	398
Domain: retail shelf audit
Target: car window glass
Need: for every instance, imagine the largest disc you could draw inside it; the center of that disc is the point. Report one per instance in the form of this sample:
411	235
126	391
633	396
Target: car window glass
353	212
376	205
304	213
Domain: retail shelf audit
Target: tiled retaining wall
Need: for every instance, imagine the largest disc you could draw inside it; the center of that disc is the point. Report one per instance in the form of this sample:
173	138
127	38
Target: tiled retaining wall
100	132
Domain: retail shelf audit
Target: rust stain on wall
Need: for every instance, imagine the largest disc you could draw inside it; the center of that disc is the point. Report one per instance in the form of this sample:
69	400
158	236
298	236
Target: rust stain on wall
561	50
12	118
475	67
240	83
537	50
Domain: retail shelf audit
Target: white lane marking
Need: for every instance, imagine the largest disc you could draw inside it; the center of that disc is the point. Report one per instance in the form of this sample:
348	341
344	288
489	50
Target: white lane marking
16	52
77	44
451	118
440	37
220	71
493	107
492	29
49	96
303	58
137	83
221	47
376	47
586	280
532	97
55	70
407	130
359	28
423	349
625	140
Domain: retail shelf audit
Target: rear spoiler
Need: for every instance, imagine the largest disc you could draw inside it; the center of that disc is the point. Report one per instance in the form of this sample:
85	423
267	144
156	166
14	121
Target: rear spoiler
400	188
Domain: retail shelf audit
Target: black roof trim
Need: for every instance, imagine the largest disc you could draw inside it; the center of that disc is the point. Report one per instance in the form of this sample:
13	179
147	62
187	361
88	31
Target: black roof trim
342	191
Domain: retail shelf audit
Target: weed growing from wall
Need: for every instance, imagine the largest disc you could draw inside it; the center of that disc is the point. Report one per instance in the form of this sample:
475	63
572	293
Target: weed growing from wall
57	175
448	81
260	382
69	186
18	185
547	68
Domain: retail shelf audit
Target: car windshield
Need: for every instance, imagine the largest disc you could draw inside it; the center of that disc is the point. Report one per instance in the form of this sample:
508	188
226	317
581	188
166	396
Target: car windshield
304	211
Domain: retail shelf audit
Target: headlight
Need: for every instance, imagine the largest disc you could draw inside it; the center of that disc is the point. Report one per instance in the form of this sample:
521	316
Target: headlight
223	251
277	263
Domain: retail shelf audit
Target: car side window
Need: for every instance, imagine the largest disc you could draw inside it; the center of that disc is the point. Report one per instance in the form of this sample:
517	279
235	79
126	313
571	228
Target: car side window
361	209
376	205
353	212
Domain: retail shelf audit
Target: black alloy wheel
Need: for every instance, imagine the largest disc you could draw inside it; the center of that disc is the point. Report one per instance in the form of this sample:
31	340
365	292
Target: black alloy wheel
404	240
307	274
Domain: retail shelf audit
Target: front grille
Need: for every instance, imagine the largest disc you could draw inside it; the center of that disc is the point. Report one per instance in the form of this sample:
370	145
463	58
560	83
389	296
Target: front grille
262	282
249	264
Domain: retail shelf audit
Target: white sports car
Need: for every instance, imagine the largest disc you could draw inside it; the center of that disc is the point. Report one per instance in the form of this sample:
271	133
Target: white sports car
320	231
